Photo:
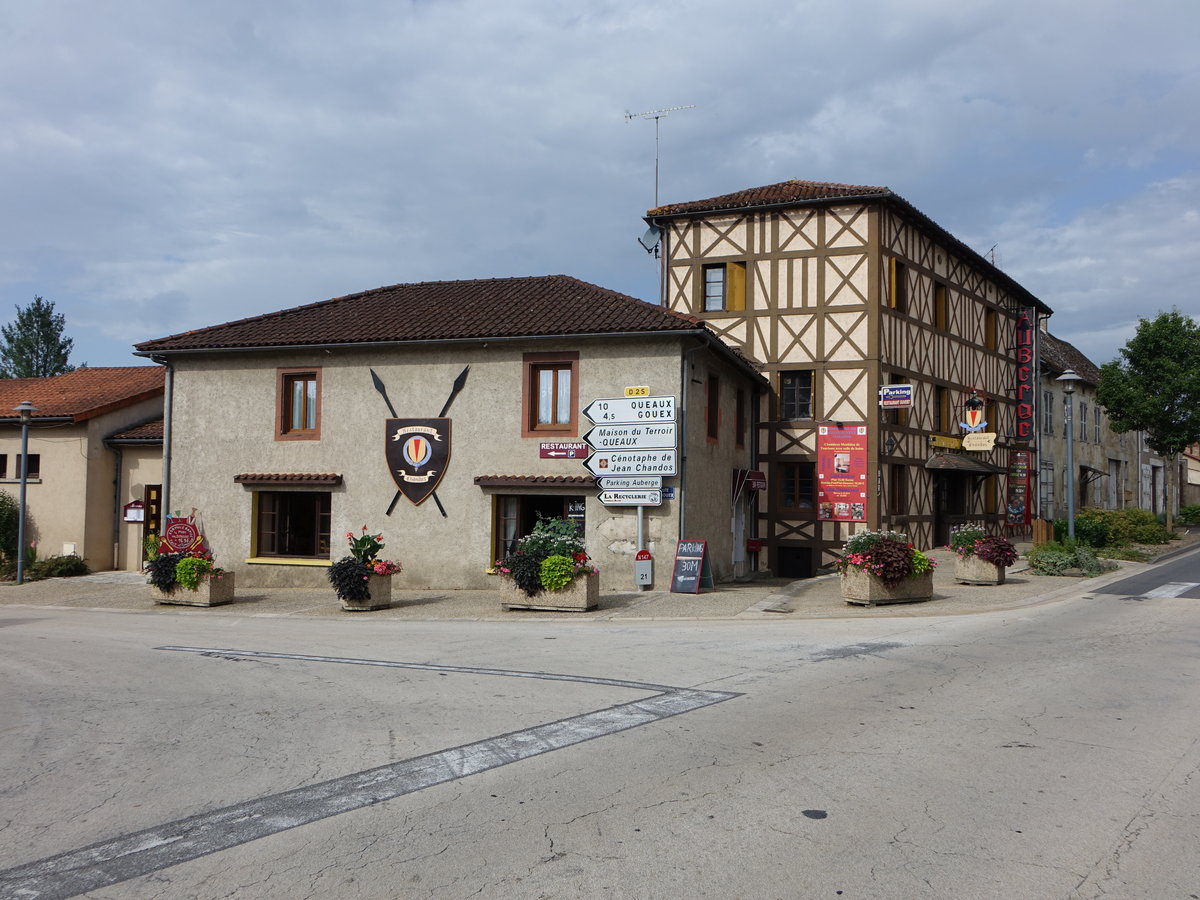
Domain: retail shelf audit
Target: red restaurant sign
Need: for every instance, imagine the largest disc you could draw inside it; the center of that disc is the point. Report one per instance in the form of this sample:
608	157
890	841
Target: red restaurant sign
1026	356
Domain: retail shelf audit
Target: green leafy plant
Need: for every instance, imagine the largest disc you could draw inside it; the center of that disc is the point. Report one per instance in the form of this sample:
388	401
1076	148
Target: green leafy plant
10	517
366	546
365	549
556	572
351	579
964	537
1151	534
922	563
69	566
550	538
888	555
192	570
972	539
150	547
1055	558
1190	514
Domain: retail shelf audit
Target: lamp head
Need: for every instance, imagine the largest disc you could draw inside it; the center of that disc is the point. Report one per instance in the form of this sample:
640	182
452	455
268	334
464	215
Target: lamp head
1068	379
25	410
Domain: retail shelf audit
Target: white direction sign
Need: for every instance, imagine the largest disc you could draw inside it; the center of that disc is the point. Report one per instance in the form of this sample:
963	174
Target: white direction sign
615	410
631	462
630	483
631	498
660	436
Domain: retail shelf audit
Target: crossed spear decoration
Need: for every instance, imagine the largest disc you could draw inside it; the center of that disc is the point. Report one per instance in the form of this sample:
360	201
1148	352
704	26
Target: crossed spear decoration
454	390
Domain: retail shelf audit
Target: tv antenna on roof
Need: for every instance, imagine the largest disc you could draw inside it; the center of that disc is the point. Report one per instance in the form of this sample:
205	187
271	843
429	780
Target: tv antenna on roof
655	114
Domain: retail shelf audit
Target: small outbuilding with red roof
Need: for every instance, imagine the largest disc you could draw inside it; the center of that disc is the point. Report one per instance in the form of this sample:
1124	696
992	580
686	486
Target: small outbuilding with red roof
95	447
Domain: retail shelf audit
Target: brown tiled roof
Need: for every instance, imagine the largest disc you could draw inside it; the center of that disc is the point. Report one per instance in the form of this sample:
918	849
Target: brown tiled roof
294	478
818	193
147	432
534	480
81	394
1057	356
441	311
783	193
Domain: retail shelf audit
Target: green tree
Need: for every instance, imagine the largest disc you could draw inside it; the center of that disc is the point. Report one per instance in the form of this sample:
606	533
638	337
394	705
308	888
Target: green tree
33	346
1155	386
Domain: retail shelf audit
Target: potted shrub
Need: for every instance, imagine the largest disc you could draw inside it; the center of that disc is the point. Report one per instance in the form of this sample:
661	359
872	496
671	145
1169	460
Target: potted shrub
362	580
884	567
549	569
189	579
980	558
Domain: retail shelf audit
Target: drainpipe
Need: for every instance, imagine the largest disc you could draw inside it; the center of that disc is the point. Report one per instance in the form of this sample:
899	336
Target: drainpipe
116	528
685	379
168	391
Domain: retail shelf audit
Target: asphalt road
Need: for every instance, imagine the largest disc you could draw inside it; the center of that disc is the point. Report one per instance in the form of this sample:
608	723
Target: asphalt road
1051	751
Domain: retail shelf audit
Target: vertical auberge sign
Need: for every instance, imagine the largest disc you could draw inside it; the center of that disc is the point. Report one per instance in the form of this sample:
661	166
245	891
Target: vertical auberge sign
1026	357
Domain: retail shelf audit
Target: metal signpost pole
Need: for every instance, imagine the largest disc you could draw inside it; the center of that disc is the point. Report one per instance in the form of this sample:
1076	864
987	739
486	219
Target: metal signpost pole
26	410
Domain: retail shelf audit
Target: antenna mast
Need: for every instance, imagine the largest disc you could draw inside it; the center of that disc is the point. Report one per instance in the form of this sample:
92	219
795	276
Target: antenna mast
655	114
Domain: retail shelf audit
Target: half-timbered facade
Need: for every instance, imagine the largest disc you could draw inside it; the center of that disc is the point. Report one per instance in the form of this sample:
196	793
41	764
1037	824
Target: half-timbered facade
839	290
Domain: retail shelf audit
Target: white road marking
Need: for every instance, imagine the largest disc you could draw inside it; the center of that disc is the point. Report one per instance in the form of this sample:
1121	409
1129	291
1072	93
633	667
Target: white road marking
1171	589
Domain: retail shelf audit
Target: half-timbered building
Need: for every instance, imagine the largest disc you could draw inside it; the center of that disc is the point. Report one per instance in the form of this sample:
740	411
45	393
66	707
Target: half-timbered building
838	291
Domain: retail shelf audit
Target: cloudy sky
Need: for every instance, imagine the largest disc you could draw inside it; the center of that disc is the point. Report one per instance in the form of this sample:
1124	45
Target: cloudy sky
166	165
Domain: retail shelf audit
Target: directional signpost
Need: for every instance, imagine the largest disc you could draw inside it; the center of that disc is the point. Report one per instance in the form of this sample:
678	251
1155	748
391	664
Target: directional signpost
633	445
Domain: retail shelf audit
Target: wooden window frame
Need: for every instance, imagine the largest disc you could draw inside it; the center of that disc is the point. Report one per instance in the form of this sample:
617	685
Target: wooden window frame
897	489
806	502
732	283
35	467
531	365
785	402
322	530
991	329
285	429
941	307
897	285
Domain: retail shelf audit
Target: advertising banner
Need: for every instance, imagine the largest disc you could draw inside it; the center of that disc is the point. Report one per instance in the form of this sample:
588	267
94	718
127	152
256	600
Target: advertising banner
1017	503
842	473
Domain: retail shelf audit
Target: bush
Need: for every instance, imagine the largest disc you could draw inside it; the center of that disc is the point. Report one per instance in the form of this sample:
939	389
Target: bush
349	579
1050	562
10	521
1190	515
1055	558
1091	527
1151	534
68	566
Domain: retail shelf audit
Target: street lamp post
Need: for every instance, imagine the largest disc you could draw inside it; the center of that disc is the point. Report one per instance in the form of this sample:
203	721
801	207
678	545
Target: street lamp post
1068	379
26	411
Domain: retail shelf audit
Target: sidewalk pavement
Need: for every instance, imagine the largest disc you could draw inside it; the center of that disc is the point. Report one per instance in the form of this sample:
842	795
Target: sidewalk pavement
758	600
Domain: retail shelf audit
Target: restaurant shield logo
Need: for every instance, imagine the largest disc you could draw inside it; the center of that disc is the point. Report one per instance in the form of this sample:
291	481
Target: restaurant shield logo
418	451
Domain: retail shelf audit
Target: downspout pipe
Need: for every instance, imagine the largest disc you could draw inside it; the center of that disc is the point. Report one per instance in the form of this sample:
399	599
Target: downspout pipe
685	392
168	392
116	526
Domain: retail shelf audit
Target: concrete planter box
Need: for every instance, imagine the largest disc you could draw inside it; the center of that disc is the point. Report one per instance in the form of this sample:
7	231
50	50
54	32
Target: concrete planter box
379	595
867	590
580	595
974	570
210	592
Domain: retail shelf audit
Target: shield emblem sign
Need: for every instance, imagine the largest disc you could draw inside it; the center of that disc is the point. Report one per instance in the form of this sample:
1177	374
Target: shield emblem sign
417	451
